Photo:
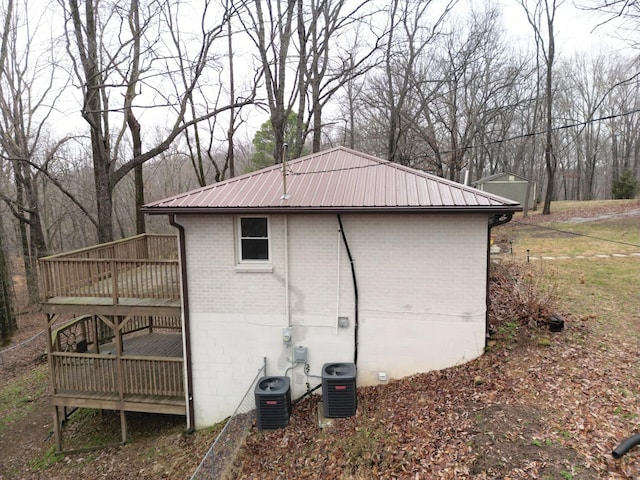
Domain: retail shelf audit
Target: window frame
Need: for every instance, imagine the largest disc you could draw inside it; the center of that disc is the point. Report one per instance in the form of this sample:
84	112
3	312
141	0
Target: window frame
255	261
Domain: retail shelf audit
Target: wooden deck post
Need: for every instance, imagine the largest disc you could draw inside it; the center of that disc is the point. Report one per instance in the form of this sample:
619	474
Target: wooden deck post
114	281
52	382
118	341
56	429
96	339
123	426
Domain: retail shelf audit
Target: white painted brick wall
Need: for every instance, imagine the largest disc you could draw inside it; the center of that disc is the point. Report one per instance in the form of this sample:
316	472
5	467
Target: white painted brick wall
421	282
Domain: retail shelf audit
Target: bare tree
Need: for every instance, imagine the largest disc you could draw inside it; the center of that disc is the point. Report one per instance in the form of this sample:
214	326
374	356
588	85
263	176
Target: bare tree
306	56
8	323
28	95
325	64
395	91
624	15
205	151
541	16
475	87
271	30
98	66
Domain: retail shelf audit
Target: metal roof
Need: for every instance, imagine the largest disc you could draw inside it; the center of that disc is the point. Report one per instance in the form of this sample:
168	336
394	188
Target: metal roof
338	179
495	176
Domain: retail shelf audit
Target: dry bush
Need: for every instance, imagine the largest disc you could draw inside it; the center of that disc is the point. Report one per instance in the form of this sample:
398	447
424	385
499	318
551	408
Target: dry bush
520	295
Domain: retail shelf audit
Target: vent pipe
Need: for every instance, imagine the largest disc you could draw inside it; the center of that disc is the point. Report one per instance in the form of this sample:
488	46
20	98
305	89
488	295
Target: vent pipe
285	195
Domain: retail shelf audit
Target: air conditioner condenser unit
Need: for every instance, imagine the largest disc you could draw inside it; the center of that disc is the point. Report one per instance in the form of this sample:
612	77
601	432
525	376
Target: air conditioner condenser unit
273	402
339	390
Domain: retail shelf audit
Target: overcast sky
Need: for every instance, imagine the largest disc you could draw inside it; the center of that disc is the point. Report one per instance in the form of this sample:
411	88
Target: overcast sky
575	29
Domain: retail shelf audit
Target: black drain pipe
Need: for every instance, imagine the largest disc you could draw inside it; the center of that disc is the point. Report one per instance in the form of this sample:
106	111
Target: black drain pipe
355	291
625	445
185	312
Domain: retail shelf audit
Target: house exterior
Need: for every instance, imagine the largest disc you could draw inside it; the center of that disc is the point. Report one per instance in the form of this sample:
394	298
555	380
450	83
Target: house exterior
509	185
356	259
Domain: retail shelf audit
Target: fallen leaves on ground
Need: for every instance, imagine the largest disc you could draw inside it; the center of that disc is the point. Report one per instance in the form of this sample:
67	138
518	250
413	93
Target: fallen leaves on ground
542	412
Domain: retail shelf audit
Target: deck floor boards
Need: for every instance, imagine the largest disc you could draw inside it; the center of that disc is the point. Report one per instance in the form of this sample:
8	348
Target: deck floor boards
154	344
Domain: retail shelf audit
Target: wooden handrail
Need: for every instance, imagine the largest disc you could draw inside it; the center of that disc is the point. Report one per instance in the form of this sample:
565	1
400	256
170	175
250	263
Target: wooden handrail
127	375
109	270
142	278
117	247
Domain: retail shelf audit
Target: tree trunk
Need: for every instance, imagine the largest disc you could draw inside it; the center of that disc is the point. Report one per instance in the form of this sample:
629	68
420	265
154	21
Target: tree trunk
549	157
7	319
104	199
231	161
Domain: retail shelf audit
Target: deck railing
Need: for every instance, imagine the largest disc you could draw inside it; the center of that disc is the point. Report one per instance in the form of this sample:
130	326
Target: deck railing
83	364
144	266
145	245
86	373
92	374
153	376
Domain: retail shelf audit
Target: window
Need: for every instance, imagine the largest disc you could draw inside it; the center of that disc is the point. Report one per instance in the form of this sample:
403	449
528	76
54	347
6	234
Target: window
254	239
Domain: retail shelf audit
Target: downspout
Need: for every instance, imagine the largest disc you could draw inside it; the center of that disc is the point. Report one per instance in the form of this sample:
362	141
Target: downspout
185	313
355	292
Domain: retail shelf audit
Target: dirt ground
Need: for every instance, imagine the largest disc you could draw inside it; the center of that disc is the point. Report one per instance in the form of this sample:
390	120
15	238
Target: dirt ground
551	410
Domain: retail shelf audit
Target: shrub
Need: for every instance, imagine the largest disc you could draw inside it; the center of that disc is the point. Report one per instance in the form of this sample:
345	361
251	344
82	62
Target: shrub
520	295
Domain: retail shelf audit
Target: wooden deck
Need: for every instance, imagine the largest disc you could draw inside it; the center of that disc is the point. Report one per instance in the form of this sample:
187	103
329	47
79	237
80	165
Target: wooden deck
146	277
123	348
143	384
137	369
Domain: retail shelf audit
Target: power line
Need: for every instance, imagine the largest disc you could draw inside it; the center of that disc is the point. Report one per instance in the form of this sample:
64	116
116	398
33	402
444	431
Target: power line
492	142
541	132
577	234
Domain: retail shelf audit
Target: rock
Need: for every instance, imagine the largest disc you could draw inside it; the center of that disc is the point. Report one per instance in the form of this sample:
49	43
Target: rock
544	342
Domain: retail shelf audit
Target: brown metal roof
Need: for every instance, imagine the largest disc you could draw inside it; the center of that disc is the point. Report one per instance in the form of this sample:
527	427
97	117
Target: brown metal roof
338	179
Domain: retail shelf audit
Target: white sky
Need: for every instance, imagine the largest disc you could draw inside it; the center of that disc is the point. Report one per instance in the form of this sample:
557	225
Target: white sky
574	29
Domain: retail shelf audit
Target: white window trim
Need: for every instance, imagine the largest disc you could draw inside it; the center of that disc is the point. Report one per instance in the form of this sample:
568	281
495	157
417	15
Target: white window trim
252	265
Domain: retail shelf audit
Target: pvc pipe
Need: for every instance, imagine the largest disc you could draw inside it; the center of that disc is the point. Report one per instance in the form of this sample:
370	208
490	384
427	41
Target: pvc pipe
286	270
338	286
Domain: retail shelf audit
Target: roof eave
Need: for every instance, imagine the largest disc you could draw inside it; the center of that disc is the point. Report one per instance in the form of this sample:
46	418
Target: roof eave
489	209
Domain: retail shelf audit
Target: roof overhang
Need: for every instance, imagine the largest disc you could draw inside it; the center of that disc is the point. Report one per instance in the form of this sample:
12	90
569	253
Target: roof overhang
485	209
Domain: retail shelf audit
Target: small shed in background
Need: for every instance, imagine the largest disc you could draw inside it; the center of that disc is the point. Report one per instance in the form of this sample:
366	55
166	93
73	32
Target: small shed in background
509	185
